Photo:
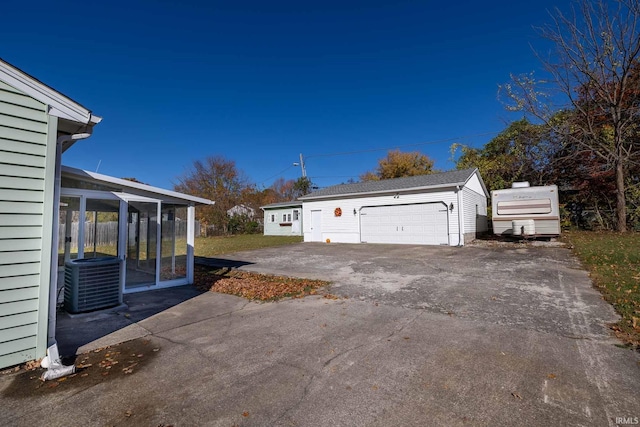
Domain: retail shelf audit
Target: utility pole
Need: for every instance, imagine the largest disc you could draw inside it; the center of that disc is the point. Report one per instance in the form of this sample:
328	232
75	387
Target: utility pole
304	171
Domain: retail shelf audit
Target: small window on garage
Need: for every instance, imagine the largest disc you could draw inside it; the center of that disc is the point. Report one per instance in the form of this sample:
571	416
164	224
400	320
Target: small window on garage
296	215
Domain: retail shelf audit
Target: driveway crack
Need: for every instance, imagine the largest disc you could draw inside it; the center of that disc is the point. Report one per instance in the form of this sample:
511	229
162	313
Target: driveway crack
304	394
376	341
195	322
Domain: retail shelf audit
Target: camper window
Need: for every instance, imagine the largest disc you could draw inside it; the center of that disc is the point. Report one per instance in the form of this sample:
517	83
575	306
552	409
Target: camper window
524	207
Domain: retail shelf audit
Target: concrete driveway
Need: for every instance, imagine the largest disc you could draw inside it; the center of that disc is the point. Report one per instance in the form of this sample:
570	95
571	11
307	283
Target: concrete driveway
427	336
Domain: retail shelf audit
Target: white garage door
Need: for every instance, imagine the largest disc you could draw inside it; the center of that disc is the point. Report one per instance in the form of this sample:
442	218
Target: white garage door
421	224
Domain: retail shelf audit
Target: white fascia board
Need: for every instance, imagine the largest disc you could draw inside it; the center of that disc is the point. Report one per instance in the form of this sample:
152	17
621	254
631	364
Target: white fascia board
83	174
477	172
59	104
370	193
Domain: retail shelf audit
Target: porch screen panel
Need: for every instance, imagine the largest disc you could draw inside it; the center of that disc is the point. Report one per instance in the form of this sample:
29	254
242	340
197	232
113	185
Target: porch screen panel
68	229
174	242
101	228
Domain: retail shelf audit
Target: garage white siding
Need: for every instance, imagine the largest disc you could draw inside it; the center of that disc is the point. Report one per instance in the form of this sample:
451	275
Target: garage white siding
475	213
346	228
434	209
418	224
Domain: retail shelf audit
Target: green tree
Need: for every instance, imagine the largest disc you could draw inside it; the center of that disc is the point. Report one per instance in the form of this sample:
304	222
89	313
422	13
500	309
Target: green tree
398	164
302	186
522	152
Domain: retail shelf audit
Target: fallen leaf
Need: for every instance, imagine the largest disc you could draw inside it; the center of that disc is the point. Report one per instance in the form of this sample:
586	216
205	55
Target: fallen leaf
245	414
516	395
551	376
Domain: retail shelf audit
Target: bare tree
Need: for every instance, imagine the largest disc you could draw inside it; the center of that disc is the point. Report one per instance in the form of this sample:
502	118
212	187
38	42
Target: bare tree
596	68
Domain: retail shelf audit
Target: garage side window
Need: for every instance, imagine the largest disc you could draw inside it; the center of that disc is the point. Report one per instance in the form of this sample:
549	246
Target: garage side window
296	215
524	207
272	218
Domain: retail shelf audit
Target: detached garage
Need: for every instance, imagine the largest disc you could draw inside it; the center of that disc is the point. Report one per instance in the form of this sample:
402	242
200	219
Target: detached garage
446	208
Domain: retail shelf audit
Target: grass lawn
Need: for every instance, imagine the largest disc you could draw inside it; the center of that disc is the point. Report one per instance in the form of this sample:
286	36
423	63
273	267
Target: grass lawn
613	260
218	245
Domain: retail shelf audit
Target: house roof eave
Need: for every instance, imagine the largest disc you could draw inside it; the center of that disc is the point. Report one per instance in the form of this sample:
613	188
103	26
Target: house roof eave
93	176
59	105
381	192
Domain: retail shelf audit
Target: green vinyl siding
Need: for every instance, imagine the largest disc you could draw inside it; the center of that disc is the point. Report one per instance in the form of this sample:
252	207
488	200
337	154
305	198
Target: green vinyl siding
27	160
273	228
15	282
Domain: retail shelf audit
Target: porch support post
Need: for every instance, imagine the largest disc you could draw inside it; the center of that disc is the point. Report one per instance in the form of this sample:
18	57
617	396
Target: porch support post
191	220
123	236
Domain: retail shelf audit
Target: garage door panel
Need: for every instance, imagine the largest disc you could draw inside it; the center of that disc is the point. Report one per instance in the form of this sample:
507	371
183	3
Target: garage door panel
425	224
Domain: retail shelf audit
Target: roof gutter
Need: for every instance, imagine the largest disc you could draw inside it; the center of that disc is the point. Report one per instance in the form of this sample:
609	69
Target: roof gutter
460	231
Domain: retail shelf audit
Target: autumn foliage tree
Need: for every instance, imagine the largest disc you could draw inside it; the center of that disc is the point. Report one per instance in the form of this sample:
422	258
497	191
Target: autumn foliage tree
215	178
398	164
595	68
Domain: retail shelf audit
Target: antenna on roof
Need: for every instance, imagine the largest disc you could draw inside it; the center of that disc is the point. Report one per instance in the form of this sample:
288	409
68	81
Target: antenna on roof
98	167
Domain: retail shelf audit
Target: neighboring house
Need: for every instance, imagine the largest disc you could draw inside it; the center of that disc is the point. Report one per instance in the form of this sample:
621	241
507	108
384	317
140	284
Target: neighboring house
447	208
241	210
37	124
283	219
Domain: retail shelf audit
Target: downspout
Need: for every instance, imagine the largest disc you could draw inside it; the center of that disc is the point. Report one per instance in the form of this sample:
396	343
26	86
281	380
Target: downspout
53	288
460	234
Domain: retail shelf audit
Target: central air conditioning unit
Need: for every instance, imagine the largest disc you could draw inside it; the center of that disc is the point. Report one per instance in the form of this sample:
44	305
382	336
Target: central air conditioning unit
523	227
92	284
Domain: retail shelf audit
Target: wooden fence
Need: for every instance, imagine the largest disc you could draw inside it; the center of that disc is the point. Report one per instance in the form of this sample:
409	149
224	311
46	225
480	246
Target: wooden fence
106	233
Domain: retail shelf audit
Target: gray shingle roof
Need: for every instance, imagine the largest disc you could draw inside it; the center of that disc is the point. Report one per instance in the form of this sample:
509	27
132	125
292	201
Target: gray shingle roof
443	179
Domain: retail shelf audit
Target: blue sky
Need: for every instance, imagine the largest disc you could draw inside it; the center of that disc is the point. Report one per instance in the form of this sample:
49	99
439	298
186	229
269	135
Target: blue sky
261	82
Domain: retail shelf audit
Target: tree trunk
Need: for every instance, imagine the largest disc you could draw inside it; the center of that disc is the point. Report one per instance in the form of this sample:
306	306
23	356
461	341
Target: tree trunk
621	202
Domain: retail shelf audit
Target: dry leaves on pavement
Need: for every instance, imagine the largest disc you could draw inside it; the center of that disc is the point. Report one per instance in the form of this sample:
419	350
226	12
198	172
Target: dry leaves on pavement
255	286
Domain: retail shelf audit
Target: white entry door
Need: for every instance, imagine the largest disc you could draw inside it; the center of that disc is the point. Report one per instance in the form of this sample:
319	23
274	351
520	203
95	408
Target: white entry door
419	224
316	226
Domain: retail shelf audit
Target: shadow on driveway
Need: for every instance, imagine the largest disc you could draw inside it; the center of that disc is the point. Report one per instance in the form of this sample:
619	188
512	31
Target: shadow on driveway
220	262
73	332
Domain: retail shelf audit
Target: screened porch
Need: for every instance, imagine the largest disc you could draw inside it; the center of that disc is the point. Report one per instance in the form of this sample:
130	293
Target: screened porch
149	229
